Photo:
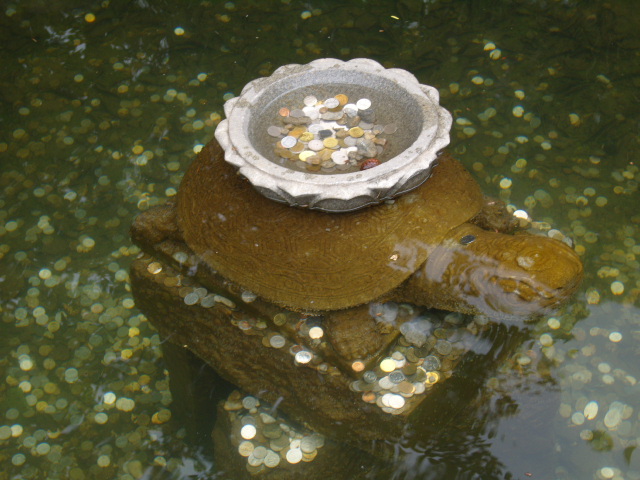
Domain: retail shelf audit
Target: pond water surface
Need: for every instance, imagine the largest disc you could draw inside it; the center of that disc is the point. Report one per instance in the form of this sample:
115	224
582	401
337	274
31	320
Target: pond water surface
103	105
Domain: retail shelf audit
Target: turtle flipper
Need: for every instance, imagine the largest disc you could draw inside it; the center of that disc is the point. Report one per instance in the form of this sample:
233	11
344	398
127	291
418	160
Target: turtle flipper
502	276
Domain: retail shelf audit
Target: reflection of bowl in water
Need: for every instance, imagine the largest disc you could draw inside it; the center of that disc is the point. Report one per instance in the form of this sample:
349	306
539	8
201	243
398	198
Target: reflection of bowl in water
397	97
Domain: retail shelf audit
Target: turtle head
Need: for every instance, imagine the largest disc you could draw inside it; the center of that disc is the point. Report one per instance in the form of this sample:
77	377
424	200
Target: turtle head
501	276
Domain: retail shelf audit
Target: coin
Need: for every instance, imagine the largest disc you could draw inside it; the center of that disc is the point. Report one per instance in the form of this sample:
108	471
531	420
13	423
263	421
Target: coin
388	365
340	157
395	401
277	341
357	366
342	99
303	356
253	461
315	145
154	268
330	142
245	448
283	112
260	452
274	131
298	148
306	154
272	430
272	459
431	362
386	383
406	388
280	319
306	137
249	402
443	347
191	299
294	455
288	141
307	445
248	432
308	457
356	132
363	104
370	377
331	103
396	376
432	377
310	100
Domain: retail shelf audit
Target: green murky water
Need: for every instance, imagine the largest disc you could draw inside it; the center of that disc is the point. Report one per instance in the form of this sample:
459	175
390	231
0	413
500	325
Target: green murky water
102	106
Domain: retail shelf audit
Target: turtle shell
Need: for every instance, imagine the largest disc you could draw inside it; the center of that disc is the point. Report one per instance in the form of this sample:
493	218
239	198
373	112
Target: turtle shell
309	260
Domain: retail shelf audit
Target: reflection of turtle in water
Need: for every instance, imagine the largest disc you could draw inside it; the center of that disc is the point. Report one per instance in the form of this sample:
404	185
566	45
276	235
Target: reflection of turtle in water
426	247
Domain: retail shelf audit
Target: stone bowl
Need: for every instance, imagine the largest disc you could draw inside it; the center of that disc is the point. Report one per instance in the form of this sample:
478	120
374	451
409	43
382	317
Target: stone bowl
398	97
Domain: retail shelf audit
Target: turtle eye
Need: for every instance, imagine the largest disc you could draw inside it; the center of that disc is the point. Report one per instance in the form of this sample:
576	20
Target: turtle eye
467	239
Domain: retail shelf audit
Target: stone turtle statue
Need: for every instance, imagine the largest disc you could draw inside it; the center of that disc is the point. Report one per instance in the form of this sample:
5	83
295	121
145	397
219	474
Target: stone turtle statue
437	246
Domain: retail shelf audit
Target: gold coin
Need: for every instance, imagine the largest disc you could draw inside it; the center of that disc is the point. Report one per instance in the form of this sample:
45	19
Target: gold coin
154	268
432	377
330	142
342	98
356	132
297	132
306	137
297	148
306	154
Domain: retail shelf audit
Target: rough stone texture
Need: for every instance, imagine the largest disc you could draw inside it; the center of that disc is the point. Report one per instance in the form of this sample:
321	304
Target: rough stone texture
323	401
309	260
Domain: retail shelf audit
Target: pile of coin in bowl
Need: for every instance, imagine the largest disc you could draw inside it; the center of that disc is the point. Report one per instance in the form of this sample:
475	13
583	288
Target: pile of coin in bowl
331	135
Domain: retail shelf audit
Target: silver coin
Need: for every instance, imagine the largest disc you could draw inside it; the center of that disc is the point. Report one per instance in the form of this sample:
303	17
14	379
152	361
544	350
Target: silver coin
208	301
294	455
274	131
296	113
310	100
350	110
311	112
303	356
288	141
307	445
315	145
277	341
191	299
396	377
370	376
431	363
350	141
363	104
272	459
315	127
443	347
386	383
260	452
331	103
394	401
340	157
